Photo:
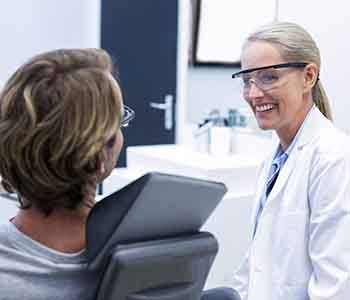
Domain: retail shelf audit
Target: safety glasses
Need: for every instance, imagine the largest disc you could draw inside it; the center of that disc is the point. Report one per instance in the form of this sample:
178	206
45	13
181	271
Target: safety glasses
265	78
128	116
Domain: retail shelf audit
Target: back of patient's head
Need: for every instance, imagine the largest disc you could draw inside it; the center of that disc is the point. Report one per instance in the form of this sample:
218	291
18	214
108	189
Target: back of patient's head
56	113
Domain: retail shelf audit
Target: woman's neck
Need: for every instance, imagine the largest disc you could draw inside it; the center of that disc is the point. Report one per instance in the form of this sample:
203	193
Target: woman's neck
287	134
63	230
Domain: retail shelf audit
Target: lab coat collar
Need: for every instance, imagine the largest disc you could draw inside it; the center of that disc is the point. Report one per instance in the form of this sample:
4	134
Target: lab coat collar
310	130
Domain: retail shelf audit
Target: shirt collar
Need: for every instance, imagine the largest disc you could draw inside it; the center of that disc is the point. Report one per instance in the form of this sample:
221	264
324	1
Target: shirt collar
280	157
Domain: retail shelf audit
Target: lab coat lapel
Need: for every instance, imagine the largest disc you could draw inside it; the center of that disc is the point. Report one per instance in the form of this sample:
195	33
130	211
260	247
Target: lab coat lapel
310	131
261	186
282	178
313	128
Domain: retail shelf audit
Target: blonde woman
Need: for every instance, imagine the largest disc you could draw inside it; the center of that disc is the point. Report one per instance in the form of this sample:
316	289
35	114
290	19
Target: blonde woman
60	120
300	247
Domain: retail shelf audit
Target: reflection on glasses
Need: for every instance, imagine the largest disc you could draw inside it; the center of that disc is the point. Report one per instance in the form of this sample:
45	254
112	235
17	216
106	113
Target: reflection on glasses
128	116
265	78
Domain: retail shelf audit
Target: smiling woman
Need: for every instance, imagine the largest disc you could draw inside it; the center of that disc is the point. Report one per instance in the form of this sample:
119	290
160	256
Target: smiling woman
277	68
303	193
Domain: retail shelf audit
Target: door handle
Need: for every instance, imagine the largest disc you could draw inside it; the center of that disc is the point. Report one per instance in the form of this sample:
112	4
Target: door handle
167	106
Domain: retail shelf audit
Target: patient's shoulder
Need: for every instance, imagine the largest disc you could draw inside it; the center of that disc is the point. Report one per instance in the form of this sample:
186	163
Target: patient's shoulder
7	237
5	232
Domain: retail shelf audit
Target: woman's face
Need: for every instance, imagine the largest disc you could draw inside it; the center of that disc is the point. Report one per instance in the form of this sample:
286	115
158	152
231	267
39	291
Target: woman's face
283	107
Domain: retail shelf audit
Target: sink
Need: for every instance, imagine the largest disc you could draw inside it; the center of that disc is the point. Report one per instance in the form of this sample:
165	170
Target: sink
237	171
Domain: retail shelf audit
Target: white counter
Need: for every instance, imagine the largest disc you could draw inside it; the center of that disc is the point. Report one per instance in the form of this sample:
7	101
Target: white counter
238	172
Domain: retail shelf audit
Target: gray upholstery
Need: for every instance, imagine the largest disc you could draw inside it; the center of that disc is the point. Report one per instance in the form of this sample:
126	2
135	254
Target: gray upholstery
145	239
172	269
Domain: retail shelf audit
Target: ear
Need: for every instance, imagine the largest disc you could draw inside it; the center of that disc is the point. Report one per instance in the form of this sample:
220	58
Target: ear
310	76
100	170
7	187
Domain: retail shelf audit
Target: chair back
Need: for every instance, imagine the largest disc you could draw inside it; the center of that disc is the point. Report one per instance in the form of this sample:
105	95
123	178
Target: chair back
168	269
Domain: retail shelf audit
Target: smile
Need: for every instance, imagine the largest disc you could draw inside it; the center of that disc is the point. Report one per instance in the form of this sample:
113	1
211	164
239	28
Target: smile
264	107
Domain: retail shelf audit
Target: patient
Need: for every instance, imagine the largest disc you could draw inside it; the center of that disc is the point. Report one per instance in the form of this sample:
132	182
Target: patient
60	119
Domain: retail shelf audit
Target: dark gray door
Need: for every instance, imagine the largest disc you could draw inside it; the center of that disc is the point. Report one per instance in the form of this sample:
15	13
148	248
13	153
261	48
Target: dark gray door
142	38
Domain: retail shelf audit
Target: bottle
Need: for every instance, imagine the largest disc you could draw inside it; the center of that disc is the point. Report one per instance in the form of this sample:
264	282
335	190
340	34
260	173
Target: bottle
232	117
242	120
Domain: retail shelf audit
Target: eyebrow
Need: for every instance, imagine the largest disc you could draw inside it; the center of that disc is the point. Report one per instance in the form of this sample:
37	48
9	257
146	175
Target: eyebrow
278	66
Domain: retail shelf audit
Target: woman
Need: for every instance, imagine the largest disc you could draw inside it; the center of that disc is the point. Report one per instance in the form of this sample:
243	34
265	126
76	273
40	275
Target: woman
300	247
60	119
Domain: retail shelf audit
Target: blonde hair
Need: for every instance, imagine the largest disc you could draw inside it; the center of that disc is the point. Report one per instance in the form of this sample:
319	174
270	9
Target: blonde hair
56	113
295	44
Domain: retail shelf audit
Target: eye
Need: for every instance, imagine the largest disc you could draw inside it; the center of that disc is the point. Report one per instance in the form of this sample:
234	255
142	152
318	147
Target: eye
246	81
268	77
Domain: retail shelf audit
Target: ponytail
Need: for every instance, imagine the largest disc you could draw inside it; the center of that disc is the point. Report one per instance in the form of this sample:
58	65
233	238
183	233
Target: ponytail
321	100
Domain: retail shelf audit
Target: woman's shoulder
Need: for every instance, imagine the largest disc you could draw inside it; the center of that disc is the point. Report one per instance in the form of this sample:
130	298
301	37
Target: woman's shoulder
333	141
332	147
323	137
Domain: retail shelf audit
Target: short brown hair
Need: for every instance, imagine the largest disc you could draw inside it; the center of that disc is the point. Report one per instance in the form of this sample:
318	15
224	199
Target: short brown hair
56	113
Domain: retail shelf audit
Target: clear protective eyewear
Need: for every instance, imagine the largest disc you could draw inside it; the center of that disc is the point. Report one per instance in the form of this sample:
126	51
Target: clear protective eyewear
265	78
128	116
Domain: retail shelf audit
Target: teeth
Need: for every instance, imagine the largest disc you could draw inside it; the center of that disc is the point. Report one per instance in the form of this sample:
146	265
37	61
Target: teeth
264	107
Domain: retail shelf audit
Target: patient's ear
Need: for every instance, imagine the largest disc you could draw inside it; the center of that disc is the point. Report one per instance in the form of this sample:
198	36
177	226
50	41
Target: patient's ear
7	187
100	169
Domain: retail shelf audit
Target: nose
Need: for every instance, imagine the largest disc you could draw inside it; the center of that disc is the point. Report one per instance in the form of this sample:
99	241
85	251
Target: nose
254	91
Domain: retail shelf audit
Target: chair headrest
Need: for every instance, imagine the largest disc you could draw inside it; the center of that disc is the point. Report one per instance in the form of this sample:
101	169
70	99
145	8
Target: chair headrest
154	206
107	215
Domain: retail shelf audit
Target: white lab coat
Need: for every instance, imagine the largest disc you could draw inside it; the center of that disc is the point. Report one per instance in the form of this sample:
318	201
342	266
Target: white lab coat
301	249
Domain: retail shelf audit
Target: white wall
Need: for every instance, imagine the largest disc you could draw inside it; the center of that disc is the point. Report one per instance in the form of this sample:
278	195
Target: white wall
208	88
33	26
329	23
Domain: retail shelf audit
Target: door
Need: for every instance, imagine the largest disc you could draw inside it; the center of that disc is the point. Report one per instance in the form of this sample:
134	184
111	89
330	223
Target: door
141	36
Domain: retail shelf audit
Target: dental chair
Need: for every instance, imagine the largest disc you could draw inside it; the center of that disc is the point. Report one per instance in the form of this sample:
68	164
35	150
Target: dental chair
145	239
